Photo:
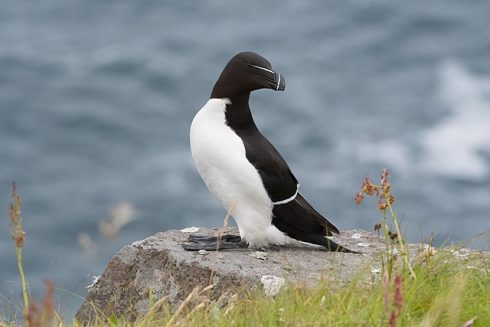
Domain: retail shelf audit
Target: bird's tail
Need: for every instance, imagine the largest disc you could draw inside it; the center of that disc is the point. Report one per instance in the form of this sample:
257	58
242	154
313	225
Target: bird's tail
334	247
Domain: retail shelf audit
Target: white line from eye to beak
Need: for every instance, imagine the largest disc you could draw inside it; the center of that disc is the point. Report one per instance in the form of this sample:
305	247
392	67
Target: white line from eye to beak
267	70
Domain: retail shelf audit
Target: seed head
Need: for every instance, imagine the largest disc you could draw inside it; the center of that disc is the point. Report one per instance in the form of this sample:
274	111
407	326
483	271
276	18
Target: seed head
367	187
392	235
382	205
358	198
384	176
17	231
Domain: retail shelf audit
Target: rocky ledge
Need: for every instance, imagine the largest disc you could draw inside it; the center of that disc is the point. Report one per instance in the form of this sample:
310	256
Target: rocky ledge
158	265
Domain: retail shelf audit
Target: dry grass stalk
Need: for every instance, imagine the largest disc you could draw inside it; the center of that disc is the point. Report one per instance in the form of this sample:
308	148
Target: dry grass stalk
385	203
18	236
196	293
42	317
397	302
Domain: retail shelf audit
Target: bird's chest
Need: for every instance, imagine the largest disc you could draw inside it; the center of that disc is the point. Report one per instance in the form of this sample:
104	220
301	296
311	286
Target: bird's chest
220	157
215	147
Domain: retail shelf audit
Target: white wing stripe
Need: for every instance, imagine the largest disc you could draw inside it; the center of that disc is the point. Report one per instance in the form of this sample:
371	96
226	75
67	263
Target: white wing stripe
288	199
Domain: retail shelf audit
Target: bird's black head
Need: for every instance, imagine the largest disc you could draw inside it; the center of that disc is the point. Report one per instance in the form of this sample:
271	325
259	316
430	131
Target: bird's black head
244	73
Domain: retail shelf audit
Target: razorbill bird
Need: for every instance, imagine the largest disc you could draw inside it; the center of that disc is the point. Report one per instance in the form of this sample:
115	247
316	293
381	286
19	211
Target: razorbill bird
245	172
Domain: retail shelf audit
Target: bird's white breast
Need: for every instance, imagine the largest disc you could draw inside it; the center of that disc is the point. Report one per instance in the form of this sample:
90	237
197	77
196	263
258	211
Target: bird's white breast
220	158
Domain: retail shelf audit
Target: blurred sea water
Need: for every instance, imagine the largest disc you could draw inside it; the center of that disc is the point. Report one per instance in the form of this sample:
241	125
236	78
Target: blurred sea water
97	97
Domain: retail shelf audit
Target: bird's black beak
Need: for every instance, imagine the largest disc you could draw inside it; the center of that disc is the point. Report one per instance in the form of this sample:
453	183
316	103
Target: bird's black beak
280	85
274	79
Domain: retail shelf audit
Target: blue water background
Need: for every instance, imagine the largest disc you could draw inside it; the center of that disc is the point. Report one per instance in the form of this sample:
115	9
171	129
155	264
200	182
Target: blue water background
96	100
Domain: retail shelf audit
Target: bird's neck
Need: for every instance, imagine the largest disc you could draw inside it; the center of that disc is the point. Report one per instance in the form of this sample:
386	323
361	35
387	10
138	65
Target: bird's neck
238	115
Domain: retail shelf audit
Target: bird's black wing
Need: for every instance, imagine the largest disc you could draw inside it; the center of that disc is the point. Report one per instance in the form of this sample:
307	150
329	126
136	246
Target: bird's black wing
279	181
297	217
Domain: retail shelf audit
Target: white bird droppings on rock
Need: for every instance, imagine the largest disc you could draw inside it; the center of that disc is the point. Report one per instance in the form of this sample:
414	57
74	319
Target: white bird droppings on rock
202	252
362	244
94	281
356	236
260	255
272	284
190	230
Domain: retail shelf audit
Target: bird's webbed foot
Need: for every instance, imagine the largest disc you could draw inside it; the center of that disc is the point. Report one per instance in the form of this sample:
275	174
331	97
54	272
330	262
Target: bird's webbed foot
207	242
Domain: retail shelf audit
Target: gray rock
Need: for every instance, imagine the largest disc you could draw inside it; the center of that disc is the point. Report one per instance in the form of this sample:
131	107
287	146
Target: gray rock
160	264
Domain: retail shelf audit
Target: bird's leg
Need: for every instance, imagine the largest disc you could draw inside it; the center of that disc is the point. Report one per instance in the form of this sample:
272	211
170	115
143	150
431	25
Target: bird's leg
207	242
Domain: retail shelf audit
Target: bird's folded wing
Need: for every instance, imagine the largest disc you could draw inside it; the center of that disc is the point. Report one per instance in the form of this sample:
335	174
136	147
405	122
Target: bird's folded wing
278	179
